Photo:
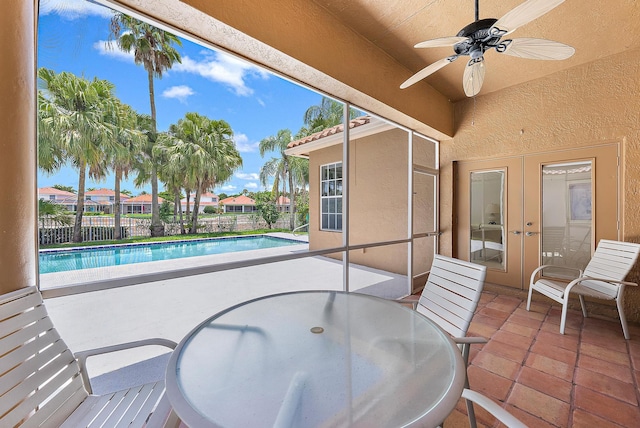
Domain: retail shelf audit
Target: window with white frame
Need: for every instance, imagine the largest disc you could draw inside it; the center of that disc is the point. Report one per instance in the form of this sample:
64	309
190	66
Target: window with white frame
331	196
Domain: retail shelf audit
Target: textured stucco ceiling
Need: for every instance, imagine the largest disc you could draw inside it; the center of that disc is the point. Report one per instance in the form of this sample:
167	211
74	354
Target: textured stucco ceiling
596	29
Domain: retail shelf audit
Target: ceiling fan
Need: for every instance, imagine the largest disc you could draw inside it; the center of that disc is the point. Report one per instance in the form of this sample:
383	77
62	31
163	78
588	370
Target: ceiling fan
483	35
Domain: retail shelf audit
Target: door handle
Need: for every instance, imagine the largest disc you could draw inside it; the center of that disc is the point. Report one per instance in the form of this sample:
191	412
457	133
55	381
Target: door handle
531	233
516	232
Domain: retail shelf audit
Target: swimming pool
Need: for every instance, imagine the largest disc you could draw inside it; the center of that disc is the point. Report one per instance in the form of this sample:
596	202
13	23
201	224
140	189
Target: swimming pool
114	255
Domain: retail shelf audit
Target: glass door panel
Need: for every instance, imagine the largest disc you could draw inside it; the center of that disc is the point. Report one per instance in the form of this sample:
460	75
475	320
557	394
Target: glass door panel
424	226
487	218
567	207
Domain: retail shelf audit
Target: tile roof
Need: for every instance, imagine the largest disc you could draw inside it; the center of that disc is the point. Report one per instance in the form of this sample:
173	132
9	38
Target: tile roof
141	199
54	191
238	200
107	192
353	123
283	200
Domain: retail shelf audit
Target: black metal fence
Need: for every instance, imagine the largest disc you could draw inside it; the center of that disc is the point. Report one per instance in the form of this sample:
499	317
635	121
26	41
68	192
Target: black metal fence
102	228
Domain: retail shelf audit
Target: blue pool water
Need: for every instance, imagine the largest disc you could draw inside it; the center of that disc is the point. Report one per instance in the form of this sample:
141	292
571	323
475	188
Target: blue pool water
64	260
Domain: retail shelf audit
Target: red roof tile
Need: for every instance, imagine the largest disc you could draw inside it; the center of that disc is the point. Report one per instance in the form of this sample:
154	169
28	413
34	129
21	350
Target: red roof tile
238	200
353	123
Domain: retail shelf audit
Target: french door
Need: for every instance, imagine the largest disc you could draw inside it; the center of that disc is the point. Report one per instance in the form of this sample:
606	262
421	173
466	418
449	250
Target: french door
514	214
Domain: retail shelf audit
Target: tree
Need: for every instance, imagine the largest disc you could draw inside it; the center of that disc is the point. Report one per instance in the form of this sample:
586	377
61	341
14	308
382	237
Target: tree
54	212
71	128
325	115
127	144
65	188
202	150
267	208
154	49
285	169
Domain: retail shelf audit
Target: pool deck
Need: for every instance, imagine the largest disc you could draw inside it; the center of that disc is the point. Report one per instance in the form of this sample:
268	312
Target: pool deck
61	281
170	308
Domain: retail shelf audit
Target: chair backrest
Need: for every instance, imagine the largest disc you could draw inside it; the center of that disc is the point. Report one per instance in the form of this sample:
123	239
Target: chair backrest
451	294
612	260
40	381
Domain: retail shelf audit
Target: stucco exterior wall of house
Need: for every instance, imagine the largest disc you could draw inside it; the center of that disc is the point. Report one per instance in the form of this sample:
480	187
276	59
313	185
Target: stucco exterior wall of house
584	106
378	199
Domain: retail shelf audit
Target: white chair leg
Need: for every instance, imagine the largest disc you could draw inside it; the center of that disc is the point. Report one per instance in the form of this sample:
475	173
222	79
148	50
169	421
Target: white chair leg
583	306
623	319
529	298
563	317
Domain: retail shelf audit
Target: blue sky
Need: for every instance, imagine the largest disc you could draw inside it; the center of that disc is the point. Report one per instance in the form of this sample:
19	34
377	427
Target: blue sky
72	36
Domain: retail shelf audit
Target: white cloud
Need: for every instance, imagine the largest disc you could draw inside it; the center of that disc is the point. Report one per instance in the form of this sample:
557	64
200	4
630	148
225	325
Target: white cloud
228	188
111	50
251	186
74	9
243	145
250	176
223	68
180	92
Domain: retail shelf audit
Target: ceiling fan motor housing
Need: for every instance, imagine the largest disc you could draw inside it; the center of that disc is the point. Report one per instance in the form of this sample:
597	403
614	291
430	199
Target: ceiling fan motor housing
479	38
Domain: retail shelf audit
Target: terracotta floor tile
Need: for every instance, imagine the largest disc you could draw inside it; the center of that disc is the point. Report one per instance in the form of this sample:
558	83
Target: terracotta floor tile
512	339
487	320
563	341
494	313
552	351
582	419
545	383
481	330
497	365
519	329
607	340
539	307
555	328
606	407
490	384
527	418
605	354
574	318
503	307
530	314
606	385
550	366
616	371
525	321
507	351
547	408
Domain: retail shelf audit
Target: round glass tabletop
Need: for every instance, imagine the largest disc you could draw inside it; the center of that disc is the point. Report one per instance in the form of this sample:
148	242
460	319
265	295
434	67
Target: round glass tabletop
315	359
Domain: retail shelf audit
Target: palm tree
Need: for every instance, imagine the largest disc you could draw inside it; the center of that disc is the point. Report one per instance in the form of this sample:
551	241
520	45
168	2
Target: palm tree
72	128
285	169
127	144
154	49
204	150
329	113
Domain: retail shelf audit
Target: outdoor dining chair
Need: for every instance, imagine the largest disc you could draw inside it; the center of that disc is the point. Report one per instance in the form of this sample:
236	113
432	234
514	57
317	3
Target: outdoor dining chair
450	298
43	384
603	278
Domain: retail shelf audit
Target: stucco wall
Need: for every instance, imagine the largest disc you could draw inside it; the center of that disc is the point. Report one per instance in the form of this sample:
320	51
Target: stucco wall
378	199
584	106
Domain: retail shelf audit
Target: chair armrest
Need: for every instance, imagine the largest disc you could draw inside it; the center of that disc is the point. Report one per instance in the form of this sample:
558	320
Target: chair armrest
470	340
407	301
613	281
498	412
566	268
83	355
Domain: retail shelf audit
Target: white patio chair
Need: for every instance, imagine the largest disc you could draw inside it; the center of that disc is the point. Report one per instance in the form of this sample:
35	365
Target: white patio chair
494	409
603	278
42	384
450	298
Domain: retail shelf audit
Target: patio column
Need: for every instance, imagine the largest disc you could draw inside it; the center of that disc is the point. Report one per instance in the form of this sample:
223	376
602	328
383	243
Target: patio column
18	222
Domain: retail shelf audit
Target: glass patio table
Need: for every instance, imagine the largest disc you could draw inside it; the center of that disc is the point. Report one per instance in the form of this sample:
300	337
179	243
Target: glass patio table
315	359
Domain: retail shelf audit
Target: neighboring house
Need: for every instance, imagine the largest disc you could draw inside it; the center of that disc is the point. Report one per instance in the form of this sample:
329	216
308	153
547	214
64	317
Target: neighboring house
139	205
283	204
238	204
104	199
68	200
206	200
374	172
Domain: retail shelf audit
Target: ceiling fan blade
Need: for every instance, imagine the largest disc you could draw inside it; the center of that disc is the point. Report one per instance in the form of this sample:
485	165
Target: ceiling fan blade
538	49
430	69
442	41
523	14
473	77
